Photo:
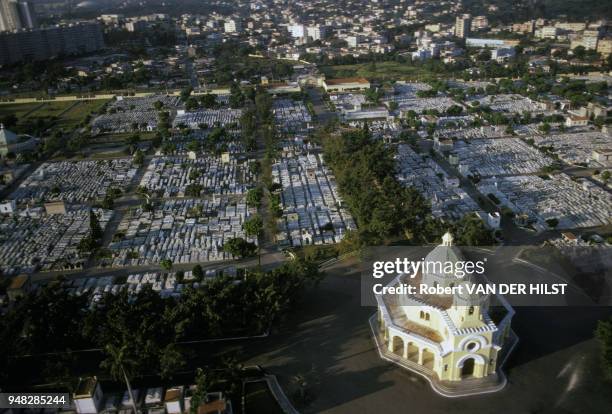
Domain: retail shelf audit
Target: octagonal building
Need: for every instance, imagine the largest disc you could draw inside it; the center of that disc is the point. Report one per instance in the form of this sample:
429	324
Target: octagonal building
458	342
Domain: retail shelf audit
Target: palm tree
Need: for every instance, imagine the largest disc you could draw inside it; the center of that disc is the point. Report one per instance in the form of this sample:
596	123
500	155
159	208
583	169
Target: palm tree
116	365
203	383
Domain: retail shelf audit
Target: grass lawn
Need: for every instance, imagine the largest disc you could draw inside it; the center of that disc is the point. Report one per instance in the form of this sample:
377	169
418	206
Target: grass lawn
18	109
50	109
83	108
379	70
78	112
69	113
122	136
258	399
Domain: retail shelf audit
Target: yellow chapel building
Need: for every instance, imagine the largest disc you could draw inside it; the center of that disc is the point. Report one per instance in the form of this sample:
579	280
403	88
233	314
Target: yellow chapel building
457	342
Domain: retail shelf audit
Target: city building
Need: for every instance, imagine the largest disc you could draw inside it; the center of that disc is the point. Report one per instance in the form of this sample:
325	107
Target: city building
588	40
526	28
547	32
490	43
88	396
353	41
480	23
296	30
15	15
345	84
173	400
232	26
8	207
448	339
462	26
604	47
45	43
603	156
576	120
317	32
503	54
55	207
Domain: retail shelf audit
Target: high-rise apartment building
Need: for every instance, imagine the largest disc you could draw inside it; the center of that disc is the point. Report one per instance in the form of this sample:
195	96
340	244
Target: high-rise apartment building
462	25
49	42
317	32
296	30
15	15
26	13
232	26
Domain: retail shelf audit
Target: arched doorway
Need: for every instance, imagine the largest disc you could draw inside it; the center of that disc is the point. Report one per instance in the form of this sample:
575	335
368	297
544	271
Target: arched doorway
413	352
467	370
398	346
428	359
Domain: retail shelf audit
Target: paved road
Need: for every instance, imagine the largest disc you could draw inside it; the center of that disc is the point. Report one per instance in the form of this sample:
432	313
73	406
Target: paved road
191	74
554	369
269	260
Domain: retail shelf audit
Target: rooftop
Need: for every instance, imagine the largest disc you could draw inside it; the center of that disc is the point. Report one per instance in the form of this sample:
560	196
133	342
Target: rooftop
86	387
18	282
340	81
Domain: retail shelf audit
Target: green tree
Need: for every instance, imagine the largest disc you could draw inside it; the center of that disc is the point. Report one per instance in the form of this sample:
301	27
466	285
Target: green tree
237	98
166	264
138	157
194	145
186	93
253	227
133	141
203	385
121	368
208	100
95	231
365	171
239	247
191	104
454	110
603	333
471	231
198	273
171	361
552	222
193	190
254	196
545	128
